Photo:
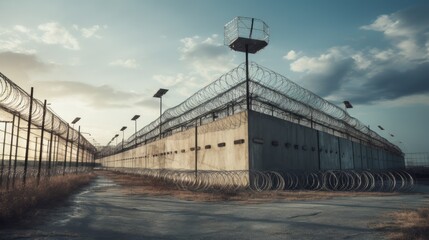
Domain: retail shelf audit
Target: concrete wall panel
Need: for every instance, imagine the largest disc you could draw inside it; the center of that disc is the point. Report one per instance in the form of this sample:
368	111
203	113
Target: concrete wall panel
328	150
357	155
271	144
178	150
346	153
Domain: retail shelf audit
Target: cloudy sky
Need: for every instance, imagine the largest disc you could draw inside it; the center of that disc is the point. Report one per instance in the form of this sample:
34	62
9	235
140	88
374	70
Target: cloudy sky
103	60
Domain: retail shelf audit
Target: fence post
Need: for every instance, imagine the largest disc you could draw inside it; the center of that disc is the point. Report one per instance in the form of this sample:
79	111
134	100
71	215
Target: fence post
2	157
78	148
10	151
41	142
65	154
28	137
50	146
16	150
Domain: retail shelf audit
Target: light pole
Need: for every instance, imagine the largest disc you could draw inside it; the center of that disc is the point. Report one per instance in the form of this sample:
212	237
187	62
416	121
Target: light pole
76	120
347	105
159	95
116	137
123	135
135	126
71	142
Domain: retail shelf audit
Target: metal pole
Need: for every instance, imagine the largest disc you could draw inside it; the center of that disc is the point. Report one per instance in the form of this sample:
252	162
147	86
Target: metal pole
160	114
2	157
65	154
196	149
35	153
58	150
41	142
10	150
50	146
28	136
71	147
123	135
78	148
135	130
83	159
247	79
16	150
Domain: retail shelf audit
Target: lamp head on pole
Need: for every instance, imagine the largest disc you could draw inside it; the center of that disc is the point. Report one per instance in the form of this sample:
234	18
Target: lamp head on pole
76	120
135	117
347	104
160	93
123	128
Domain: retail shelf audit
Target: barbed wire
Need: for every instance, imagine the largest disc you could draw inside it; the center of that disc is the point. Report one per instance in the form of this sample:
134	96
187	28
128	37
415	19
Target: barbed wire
231	181
15	100
269	92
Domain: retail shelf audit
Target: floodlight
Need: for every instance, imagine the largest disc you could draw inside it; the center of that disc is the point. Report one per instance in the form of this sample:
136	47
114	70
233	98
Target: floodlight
160	93
76	120
347	104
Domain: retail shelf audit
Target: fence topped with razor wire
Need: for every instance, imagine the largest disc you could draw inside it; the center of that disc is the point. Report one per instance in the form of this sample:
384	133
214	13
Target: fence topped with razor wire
270	93
34	141
16	101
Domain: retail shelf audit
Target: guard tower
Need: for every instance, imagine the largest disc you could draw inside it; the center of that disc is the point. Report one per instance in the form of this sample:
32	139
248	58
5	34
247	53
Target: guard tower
249	35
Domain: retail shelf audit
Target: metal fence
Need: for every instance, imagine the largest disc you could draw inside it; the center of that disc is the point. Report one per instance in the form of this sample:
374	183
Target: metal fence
34	141
270	93
419	159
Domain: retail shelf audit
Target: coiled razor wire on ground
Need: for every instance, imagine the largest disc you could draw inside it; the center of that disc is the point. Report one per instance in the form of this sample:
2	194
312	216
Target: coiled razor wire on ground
269	92
258	181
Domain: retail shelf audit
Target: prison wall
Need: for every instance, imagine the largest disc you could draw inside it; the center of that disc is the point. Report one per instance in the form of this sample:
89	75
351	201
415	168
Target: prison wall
276	144
218	145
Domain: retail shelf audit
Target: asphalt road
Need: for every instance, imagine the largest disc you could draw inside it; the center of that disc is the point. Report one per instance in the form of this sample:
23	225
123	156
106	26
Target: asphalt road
103	211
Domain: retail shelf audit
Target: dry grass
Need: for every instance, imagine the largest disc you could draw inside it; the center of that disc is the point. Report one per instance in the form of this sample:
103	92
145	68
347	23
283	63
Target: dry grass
139	185
20	201
407	224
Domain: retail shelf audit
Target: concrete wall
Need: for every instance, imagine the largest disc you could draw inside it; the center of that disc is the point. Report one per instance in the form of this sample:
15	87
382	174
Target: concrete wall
328	151
270	144
221	145
276	144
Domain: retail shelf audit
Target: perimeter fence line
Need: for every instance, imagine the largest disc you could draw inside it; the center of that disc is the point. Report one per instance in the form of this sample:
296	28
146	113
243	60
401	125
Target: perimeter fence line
34	141
394	180
271	94
417	160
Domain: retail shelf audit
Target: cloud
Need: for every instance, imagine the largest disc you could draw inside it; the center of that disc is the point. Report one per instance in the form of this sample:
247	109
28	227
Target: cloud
392	84
19	66
207	57
89	32
95	96
149	103
169	81
18	38
291	55
374	75
125	63
54	33
407	29
14	40
21	28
